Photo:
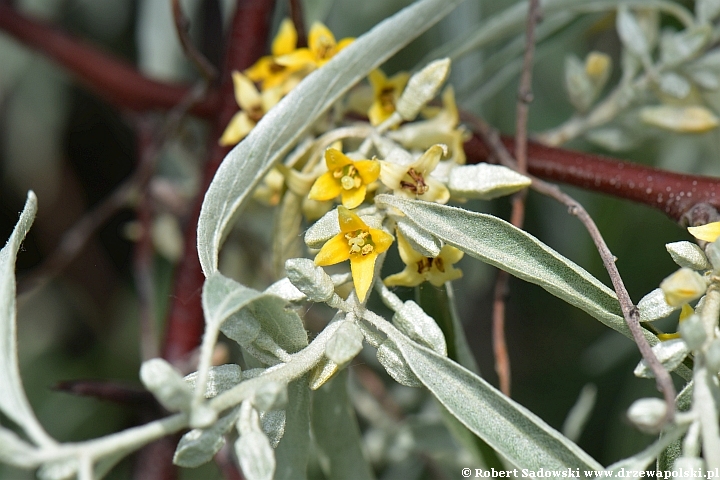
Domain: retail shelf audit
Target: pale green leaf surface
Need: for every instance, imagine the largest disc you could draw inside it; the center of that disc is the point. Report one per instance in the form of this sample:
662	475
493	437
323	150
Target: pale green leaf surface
336	431
252	158
293	451
498	243
199	446
13	402
513	431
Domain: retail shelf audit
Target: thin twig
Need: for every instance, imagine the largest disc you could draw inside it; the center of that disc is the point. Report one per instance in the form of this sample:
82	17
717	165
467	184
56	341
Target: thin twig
182	26
517	217
629	310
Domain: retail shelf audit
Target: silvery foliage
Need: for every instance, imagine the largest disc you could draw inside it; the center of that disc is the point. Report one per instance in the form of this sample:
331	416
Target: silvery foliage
268	410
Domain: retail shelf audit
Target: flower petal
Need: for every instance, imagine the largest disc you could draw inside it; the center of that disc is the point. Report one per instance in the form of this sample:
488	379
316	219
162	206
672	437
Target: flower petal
450	254
430	159
391	174
369	170
335	159
246	95
409	256
286	38
319	38
438	278
297	59
238	128
407	278
381	239
349	221
326	187
708	233
260	69
377	80
334	251
437	191
354	197
363	269
343	43
270	97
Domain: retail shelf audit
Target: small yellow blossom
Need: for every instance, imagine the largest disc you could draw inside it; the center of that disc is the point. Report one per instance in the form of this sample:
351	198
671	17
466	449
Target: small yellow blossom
345	177
419	268
707	233
386	91
441	128
254	106
685	312
321	48
267	71
358	243
414	180
683	286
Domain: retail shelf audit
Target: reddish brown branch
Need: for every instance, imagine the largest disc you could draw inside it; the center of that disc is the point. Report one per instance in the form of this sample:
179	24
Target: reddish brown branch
182	26
674	194
296	13
246	43
113	79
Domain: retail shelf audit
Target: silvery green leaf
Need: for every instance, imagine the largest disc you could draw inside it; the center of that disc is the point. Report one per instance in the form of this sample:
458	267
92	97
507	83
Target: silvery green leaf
273	424
242	312
246	165
284	289
16	451
412	320
498	243
581	90
517	434
323	371
674	85
707	10
712	356
485	181
199	446
420	240
647	413
693	332
684	466
390	357
293	451
337	433
688	254
421	88
286	239
310	279
270	396
614	139
705	71
345	343
579	414
670	353
630	32
166	384
328	226
256	456
13	402
654	307
220	379
713	254
64	469
677	48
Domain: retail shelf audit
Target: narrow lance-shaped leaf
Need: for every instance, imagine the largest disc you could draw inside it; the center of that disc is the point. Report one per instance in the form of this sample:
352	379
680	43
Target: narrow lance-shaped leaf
252	158
13	402
504	246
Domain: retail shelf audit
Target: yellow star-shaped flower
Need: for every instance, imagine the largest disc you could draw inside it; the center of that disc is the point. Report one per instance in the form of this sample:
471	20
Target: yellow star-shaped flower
385	94
413	180
419	268
254	106
358	243
708	233
345	177
267	71
321	48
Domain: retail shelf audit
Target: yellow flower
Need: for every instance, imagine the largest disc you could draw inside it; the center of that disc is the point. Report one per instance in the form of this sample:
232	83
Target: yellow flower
254	106
385	94
708	233
345	177
441	128
685	312
358	243
266	70
321	48
414	180
683	286
419	268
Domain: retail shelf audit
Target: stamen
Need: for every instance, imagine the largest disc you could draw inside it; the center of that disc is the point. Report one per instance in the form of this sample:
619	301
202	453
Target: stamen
418	185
